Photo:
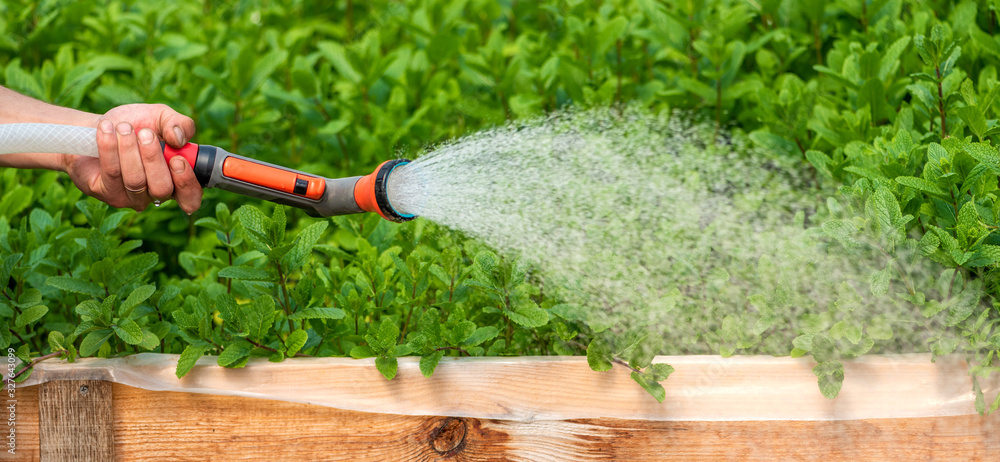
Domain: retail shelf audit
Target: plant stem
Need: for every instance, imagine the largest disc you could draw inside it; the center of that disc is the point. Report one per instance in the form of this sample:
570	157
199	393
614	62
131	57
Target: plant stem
618	53
944	125
615	359
718	103
818	44
864	16
349	19
283	297
33	363
462	350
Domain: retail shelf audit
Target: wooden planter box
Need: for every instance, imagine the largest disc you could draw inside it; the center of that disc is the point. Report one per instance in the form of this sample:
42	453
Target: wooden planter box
546	408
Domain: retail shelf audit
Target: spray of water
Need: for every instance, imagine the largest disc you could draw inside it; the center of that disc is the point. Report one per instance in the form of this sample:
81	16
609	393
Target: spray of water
647	220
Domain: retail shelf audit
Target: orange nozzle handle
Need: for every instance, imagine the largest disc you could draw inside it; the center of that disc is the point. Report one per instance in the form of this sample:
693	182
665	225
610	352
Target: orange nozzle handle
287	181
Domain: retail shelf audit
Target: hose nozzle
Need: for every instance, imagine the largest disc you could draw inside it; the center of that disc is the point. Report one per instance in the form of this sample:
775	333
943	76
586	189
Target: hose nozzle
371	192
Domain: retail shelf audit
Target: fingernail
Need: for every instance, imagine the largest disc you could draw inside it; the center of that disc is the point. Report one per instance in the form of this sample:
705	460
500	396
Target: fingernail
180	135
124	128
107	127
145	136
177	164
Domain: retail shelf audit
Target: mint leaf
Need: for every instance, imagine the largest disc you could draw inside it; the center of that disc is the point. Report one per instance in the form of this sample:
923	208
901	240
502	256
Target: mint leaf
245	273
387	366
317	313
235	352
30	315
651	386
830	376
429	362
94	340
598	355
295	341
189	357
75	285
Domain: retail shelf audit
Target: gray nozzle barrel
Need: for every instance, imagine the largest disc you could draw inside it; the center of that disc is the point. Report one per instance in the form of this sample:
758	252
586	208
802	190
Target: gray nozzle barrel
337	198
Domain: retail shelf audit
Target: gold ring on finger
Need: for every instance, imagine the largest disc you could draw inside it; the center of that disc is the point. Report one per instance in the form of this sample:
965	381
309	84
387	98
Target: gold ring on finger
136	191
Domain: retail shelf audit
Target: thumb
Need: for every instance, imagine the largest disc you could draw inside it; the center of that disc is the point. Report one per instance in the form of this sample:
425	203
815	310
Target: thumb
175	128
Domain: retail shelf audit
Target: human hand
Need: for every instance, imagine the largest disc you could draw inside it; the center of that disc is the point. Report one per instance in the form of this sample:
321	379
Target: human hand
131	171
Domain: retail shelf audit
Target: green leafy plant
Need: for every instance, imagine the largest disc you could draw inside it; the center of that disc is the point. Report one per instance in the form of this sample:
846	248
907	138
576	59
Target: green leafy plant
891	104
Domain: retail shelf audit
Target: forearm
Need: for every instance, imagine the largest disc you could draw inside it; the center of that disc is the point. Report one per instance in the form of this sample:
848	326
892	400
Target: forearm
17	108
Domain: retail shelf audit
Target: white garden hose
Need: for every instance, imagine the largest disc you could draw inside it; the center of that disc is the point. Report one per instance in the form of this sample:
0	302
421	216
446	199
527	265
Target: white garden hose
60	139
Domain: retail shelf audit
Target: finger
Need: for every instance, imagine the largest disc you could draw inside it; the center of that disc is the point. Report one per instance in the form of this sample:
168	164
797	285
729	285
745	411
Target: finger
107	148
176	129
187	191
133	173
158	182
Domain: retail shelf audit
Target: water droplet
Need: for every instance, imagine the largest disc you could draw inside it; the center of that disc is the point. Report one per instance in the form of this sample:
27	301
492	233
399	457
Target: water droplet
156	203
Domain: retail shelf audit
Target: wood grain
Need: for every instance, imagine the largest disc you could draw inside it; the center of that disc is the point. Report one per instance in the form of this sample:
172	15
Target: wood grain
561	388
25	425
185	426
76	421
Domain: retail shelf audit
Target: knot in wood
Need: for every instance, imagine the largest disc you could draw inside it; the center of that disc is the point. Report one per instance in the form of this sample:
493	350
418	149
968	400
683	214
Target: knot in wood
84	389
449	437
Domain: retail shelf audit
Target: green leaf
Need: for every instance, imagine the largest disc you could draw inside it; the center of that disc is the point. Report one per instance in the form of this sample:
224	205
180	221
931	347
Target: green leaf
652	386
76	285
872	92
245	273
30	315
189	357
429	362
974	119
388	333
843	231
661	371
56	341
387	365
132	268
7	267
235	352
94	340
149	340
361	351
820	162
921	184
963	305
128	331
317	313
304	244
139	295
823	348
481	335
598	355
830	377
879	329
335	53
295	341
258	316
880	282
256	224
929	242
528	315
15	200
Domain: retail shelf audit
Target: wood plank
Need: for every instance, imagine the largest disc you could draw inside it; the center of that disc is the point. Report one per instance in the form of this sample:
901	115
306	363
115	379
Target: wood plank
76	420
187	426
561	388
25	425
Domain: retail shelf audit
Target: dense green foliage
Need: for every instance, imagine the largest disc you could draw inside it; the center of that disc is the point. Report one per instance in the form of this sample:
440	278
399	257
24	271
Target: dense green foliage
894	100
